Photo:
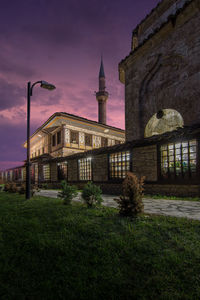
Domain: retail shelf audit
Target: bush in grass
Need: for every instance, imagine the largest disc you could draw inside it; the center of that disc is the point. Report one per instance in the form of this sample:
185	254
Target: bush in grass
12	187
45	186
6	187
68	192
22	189
130	202
91	194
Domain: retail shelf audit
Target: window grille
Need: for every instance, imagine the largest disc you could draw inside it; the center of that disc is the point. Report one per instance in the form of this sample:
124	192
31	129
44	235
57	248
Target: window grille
88	139
74	137
119	164
179	159
85	169
104	142
46	172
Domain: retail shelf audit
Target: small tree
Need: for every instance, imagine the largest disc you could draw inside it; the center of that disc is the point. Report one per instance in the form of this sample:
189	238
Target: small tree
68	192
91	194
130	203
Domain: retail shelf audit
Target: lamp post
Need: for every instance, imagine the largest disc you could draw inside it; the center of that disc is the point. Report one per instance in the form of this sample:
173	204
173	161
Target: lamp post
47	86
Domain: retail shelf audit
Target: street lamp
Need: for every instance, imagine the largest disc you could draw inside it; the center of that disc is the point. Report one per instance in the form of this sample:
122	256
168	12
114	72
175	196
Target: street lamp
47	86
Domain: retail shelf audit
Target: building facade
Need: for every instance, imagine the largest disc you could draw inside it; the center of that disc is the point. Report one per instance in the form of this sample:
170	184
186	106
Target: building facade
161	73
162	114
63	135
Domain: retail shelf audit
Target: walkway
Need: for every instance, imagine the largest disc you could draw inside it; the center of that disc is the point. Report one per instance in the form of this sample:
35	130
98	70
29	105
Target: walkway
175	208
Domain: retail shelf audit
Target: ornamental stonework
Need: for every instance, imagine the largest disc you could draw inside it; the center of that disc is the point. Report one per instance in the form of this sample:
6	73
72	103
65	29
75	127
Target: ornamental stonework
81	138
96	141
67	135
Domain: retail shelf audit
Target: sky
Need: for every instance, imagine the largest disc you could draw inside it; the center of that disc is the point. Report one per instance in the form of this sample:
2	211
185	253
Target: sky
61	41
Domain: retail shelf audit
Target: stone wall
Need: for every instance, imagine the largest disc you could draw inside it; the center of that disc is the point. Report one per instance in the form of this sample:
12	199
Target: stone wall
159	16
54	172
144	162
173	190
100	168
72	170
164	74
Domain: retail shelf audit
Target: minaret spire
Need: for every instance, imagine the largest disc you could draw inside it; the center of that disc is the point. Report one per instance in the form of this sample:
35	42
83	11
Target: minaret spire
102	95
101	71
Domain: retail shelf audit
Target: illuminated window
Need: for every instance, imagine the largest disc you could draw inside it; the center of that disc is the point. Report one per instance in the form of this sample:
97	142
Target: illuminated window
62	170
85	169
104	142
88	139
58	137
46	172
119	164
74	137
179	159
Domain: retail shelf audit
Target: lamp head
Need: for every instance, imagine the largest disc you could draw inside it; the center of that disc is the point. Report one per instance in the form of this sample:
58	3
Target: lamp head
47	85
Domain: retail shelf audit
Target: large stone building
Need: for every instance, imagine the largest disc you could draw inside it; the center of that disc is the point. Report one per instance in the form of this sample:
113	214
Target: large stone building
161	75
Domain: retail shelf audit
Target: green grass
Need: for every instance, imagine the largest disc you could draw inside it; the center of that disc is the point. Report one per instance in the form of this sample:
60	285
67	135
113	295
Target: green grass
52	251
172	197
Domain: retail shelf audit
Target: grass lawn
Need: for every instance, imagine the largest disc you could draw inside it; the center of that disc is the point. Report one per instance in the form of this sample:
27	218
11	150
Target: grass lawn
52	251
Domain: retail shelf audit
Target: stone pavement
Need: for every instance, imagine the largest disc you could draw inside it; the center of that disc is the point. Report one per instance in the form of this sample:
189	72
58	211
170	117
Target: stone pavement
175	208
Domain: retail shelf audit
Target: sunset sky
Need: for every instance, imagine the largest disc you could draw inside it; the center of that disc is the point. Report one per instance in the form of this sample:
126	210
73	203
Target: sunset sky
61	41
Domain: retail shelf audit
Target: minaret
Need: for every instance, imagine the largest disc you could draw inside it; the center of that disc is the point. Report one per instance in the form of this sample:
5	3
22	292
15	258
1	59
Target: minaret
102	95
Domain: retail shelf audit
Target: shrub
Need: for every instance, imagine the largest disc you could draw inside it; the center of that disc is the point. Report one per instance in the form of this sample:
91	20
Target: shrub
12	187
45	186
68	192
130	203
22	188
91	194
6	187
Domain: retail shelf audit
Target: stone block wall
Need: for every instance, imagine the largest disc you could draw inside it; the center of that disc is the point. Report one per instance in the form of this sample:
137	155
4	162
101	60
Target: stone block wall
144	162
54	172
173	190
164	73
100	168
72	170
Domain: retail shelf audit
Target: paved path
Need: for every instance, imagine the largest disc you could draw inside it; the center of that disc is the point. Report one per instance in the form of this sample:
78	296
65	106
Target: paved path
175	208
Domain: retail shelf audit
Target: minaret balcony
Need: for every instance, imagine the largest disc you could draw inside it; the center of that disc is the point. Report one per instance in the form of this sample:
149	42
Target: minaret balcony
101	93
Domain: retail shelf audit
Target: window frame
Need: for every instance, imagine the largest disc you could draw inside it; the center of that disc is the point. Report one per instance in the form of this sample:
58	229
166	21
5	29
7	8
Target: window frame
58	135
77	135
85	169
63	165
44	172
184	176
90	139
54	140
105	140
117	168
